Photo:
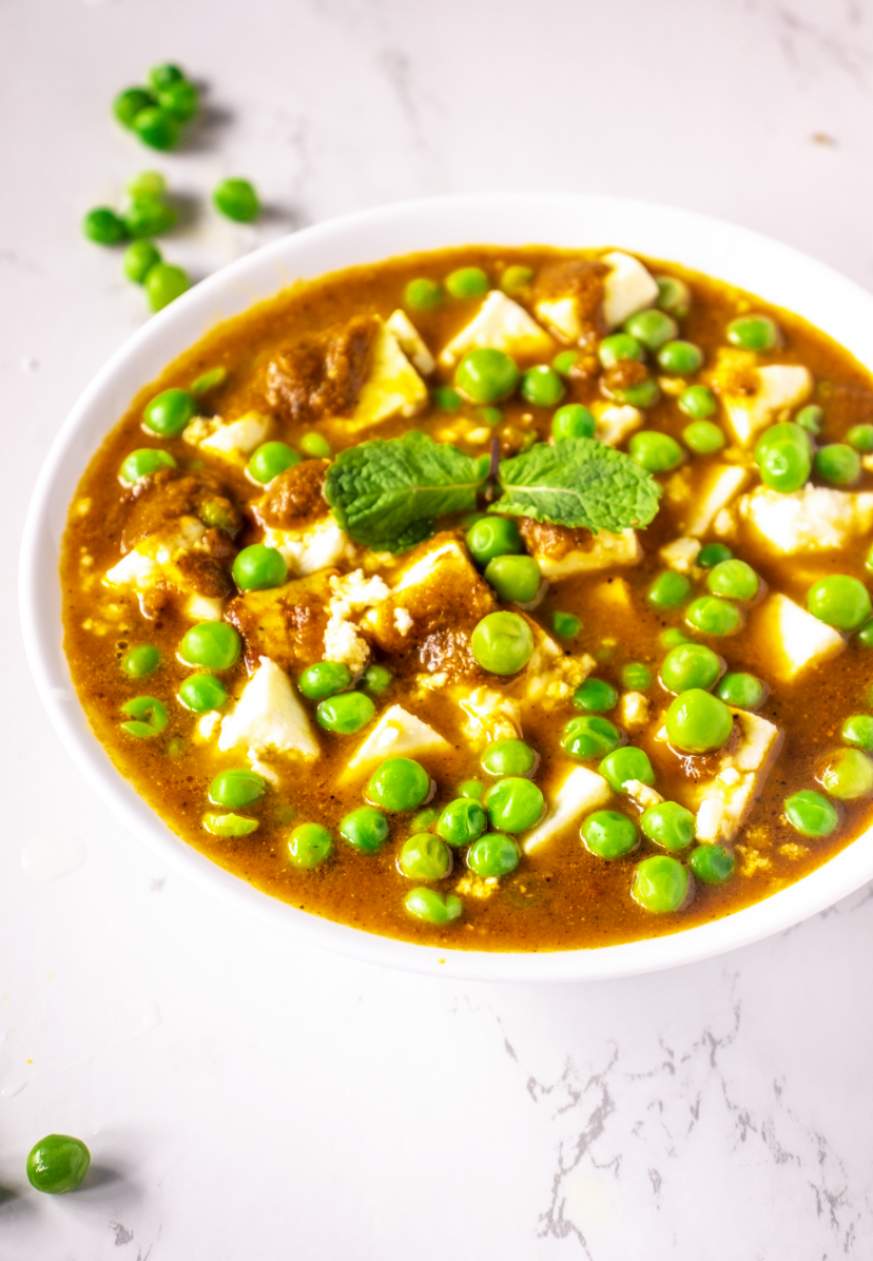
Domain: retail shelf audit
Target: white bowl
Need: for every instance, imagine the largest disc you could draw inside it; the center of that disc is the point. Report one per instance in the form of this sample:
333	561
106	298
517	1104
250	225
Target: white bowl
753	262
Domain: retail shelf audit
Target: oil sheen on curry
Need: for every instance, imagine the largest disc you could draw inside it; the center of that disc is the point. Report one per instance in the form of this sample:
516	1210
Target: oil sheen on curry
491	598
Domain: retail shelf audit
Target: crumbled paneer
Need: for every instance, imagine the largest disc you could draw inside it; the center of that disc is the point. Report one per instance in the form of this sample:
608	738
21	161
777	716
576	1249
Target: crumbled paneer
754	397
642	795
351	594
718	489
752	860
402	621
628	287
232	440
680	555
155	564
724	799
795	639
814	519
615	421
268	717
488	715
633	710
577	794
312	547
392	388
411	342
396	733
552	676
793	850
502	324
472	886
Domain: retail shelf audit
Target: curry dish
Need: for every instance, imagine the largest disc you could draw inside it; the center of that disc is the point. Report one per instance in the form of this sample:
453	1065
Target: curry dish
491	598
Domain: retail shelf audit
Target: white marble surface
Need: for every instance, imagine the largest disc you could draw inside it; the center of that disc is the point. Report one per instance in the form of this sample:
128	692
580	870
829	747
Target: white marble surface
246	1102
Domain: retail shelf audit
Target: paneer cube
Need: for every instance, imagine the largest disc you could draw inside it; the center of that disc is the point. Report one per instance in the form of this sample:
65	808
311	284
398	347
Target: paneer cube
723	800
552	675
287	623
718	489
615	421
814	519
396	733
502	324
561	316
562	553
576	795
392	388
796	641
411	342
628	287
680	554
268	717
154	564
231	440
489	715
312	547
754	397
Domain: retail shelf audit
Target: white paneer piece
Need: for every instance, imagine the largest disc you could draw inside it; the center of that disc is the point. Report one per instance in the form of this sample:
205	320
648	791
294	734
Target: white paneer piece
396	733
605	551
628	287
392	388
154	562
552	676
642	795
723	801
577	794
754	397
814	519
314	546
231	440
502	324
561	317
411	342
351	594
633	710
718	489
488	715
680	554
615	421
268	717
434	562
795	639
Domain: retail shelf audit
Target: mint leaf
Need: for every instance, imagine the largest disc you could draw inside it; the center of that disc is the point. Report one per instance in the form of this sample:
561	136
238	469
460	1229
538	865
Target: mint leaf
388	493
577	482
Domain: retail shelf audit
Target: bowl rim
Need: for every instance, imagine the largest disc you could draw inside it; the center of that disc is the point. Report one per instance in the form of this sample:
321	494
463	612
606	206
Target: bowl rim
838	877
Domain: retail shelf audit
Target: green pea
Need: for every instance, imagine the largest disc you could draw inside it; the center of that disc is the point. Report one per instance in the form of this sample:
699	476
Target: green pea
236	788
323	679
236	199
811	814
258	568
211	379
712	864
698	402
398	785
573	421
861	438
623	765
423	294
744	691
653	328
514	804
510	757
366	829
810	418
156	128
865	635
269	460
309	845
848	775
636	676
492	536
672	637
589	736
669	825
168	413
180	100
228	824
148	717
783	454
541	386
139	258
147	184
423	820
424	857
493	855
644	394
486	375
713	554
502	643
129	103
215	645
104	227
140	661
609	834
143	463
433	907
164	284
472	788
660	884
516	278
753	332
620	348
858	730
446	399
57	1164
674	296
202	692
161	76
315	445
668	590
467	282
566	625
698	722
690	666
655	452
838	463
346	713
734	579
680	358
595	696
461	821
840	601
491	416
703	437
149	216
516	579
376	679
565	361
710	615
